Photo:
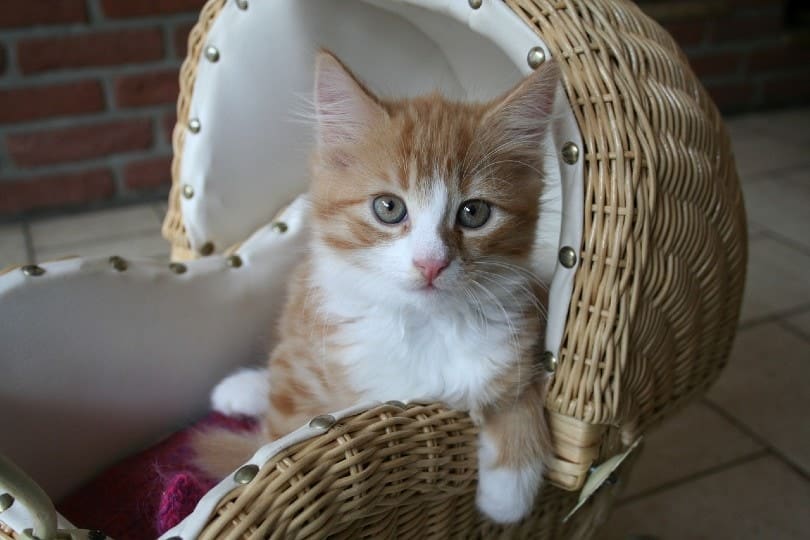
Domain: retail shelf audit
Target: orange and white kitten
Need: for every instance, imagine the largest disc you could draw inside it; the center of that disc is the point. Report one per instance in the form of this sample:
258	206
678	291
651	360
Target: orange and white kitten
418	282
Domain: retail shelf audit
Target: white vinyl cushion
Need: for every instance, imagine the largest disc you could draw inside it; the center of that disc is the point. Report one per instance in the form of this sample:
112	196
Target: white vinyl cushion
96	364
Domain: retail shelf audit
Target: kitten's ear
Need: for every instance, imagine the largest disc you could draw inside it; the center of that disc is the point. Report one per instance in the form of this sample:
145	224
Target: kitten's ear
344	108
521	116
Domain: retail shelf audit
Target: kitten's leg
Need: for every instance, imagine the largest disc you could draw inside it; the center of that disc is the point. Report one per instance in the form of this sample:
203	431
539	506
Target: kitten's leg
513	445
244	392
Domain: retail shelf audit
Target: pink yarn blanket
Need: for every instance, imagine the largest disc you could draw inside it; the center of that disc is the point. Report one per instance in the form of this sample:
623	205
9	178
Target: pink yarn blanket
147	494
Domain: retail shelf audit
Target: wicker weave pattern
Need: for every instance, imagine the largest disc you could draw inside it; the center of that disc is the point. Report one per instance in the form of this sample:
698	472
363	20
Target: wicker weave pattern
386	473
657	293
652	316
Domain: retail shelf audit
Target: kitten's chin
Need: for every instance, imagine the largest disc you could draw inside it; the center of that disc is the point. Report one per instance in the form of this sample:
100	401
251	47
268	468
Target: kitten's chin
424	295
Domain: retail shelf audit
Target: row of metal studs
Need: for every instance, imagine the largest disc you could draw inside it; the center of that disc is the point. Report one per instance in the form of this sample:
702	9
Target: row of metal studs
194	126
570	154
119	264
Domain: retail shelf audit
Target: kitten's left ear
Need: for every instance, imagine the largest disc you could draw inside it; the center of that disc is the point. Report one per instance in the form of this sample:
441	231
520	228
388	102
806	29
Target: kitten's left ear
522	114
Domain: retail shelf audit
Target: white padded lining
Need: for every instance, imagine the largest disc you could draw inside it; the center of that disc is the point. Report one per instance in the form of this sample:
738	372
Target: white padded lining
96	363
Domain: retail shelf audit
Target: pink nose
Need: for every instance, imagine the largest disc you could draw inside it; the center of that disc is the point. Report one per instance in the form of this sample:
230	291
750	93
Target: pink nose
431	268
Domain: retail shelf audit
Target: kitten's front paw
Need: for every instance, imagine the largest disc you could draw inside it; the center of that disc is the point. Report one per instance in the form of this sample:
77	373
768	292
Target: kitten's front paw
507	495
244	392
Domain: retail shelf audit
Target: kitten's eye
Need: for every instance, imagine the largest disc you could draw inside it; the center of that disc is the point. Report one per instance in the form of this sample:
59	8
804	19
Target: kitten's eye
473	213
389	209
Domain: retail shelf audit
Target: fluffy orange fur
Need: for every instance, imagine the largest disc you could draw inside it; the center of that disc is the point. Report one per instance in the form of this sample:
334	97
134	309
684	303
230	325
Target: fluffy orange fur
485	151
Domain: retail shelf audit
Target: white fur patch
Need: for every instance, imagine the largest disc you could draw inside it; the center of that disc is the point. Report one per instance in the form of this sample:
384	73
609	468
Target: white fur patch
505	495
244	392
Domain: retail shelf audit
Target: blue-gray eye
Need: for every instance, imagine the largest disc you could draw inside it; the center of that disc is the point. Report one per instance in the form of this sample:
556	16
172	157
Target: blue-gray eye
473	213
389	209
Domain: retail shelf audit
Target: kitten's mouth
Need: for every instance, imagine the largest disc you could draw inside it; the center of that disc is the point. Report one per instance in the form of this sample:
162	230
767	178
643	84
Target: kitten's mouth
428	288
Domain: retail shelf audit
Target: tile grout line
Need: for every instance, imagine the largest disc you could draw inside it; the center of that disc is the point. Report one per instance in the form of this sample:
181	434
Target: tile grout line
766	175
695	476
140	233
756	437
773	317
795	330
160	213
785	241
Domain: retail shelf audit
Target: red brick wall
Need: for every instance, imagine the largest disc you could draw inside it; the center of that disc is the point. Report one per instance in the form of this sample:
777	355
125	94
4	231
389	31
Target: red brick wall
87	88
748	53
87	99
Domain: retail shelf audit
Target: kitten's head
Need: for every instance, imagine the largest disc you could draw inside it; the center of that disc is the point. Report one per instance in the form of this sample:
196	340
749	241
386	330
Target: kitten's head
427	197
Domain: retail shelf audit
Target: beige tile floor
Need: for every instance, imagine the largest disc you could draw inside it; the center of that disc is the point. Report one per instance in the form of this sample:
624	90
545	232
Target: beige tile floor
734	465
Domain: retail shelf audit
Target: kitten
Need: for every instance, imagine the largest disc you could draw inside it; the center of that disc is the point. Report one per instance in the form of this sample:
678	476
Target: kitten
417	283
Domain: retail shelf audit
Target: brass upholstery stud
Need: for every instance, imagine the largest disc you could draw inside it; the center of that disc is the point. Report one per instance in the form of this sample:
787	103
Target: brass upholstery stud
194	125
570	153
32	270
324	421
188	191
549	361
118	263
234	261
536	57
395	403
568	257
178	268
475	4
6	500
280	226
207	248
246	473
212	53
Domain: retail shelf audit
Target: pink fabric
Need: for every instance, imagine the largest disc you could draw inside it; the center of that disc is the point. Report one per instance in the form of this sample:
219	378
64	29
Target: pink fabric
145	495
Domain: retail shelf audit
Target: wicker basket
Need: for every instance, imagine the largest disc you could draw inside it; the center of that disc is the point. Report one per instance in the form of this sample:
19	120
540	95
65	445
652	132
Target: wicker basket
652	316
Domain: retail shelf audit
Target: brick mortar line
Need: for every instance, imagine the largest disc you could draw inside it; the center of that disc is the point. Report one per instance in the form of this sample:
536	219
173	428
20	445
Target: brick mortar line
159	147
710	42
749	45
94	11
28	239
46	78
85	120
134	198
158	132
168	40
57	31
116	169
76	167
157	196
12	69
775	75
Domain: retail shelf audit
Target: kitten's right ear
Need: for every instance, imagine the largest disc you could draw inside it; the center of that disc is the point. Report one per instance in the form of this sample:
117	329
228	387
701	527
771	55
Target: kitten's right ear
344	108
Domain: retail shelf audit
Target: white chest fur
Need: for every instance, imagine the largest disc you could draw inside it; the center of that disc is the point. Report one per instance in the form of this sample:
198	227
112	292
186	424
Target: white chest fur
427	357
410	354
